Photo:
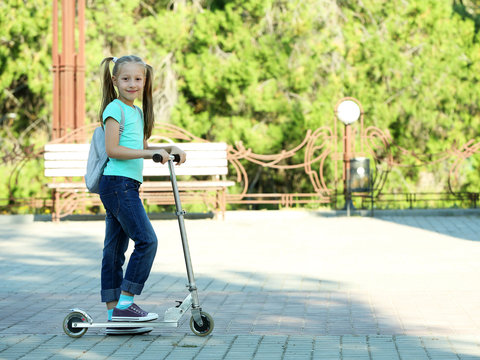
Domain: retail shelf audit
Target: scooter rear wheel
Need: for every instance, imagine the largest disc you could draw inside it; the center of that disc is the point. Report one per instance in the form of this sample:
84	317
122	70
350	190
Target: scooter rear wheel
71	331
207	326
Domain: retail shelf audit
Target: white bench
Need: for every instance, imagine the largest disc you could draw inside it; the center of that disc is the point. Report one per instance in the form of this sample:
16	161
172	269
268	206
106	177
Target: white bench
66	163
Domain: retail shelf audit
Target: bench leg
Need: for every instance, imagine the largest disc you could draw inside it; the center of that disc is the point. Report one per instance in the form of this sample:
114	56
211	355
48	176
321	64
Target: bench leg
372	203
56	205
222	202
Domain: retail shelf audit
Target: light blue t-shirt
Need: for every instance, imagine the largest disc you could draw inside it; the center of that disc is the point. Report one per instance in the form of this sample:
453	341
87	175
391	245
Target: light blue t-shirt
132	137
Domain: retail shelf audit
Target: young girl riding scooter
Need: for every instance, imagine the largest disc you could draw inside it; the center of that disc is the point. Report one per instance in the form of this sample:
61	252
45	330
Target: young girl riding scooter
126	218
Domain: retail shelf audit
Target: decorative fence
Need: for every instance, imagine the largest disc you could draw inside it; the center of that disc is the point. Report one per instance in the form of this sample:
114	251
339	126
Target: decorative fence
321	162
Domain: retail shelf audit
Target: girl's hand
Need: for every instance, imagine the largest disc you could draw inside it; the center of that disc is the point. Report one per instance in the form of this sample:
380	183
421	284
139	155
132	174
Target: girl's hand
165	155
176	151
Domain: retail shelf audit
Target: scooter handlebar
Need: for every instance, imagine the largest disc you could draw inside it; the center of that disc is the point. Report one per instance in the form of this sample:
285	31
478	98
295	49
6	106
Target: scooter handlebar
158	158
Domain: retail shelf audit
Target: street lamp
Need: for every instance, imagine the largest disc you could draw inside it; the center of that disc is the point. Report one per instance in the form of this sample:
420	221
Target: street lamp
348	111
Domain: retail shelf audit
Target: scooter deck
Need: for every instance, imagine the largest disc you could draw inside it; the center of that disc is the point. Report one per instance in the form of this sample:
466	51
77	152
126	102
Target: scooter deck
173	318
125	324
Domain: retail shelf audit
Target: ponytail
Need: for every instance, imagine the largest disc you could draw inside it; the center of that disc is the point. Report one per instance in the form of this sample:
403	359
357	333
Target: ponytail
147	103
108	90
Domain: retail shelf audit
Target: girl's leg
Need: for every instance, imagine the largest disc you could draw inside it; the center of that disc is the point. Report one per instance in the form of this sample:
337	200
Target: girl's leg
121	199
115	246
137	226
134	220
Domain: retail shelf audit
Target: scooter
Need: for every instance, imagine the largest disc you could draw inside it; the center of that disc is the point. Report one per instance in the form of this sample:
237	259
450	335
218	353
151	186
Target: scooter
77	322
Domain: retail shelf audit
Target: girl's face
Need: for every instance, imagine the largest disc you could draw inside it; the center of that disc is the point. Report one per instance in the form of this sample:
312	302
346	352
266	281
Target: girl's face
129	81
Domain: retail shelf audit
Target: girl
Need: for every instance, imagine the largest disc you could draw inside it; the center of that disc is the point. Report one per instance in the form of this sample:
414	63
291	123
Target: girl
125	215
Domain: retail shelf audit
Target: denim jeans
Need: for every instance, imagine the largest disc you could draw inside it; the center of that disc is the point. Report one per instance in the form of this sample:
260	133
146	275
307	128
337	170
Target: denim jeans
125	219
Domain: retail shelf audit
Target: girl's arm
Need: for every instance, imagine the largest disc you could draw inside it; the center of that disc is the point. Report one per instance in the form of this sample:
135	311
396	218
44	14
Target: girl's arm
171	149
114	150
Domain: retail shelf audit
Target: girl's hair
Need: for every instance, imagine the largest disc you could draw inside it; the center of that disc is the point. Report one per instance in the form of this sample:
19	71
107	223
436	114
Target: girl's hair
110	94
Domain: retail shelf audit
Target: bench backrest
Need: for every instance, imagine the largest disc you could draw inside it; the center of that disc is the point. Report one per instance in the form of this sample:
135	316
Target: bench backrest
66	160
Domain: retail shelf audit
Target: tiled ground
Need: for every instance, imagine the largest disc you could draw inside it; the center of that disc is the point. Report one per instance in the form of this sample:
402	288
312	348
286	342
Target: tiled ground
279	285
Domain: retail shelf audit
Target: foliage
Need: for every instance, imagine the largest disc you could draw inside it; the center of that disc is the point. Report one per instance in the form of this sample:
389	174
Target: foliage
25	61
263	72
25	95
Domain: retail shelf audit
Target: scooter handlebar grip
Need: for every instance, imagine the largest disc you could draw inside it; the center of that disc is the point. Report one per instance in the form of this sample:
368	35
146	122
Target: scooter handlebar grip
158	158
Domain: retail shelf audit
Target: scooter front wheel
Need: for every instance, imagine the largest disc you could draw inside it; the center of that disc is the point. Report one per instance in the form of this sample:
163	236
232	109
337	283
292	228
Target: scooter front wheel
207	326
74	317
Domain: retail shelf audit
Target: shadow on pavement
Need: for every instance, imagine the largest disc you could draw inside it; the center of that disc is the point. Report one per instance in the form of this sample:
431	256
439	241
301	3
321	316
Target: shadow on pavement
44	275
460	227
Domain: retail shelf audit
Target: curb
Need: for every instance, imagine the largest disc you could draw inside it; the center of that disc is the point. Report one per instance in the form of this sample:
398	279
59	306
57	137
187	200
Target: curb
263	214
16	219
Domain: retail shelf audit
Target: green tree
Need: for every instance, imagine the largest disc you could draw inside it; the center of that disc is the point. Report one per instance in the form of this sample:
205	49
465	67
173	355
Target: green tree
265	71
25	96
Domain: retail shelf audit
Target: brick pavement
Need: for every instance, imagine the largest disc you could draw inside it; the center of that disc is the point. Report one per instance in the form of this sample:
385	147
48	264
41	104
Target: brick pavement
280	285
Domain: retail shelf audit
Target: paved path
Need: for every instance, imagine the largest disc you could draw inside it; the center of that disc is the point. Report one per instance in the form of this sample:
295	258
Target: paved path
280	285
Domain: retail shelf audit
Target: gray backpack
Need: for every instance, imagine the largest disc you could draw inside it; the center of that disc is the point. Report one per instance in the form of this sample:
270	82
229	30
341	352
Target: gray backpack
97	156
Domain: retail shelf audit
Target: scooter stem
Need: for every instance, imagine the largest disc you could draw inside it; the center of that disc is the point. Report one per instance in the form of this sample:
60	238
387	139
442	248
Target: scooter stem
192	287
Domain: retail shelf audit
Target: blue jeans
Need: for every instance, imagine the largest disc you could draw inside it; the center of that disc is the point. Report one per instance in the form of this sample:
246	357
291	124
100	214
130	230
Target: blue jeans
126	218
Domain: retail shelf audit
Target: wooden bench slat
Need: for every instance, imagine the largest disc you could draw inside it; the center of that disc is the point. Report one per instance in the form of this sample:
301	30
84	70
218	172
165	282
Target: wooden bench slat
194	171
183	146
67	147
148	164
146	172
57	156
154	185
69	185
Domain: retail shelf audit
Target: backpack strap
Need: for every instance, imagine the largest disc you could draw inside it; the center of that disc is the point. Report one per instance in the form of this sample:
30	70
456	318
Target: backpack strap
122	122
139	111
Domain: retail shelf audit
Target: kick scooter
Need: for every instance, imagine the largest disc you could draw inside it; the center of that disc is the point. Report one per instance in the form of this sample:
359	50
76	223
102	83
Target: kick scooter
77	322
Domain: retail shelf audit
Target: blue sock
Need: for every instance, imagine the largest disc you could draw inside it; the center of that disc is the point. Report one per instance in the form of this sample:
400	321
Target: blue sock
110	313
124	302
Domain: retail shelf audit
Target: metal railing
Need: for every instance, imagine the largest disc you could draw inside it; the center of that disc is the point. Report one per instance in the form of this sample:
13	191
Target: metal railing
318	160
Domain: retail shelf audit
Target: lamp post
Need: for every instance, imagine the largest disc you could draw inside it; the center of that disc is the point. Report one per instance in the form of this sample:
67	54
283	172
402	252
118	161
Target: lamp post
347	111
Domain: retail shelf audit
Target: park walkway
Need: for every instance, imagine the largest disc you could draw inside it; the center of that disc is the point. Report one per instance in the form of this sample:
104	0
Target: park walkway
279	285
